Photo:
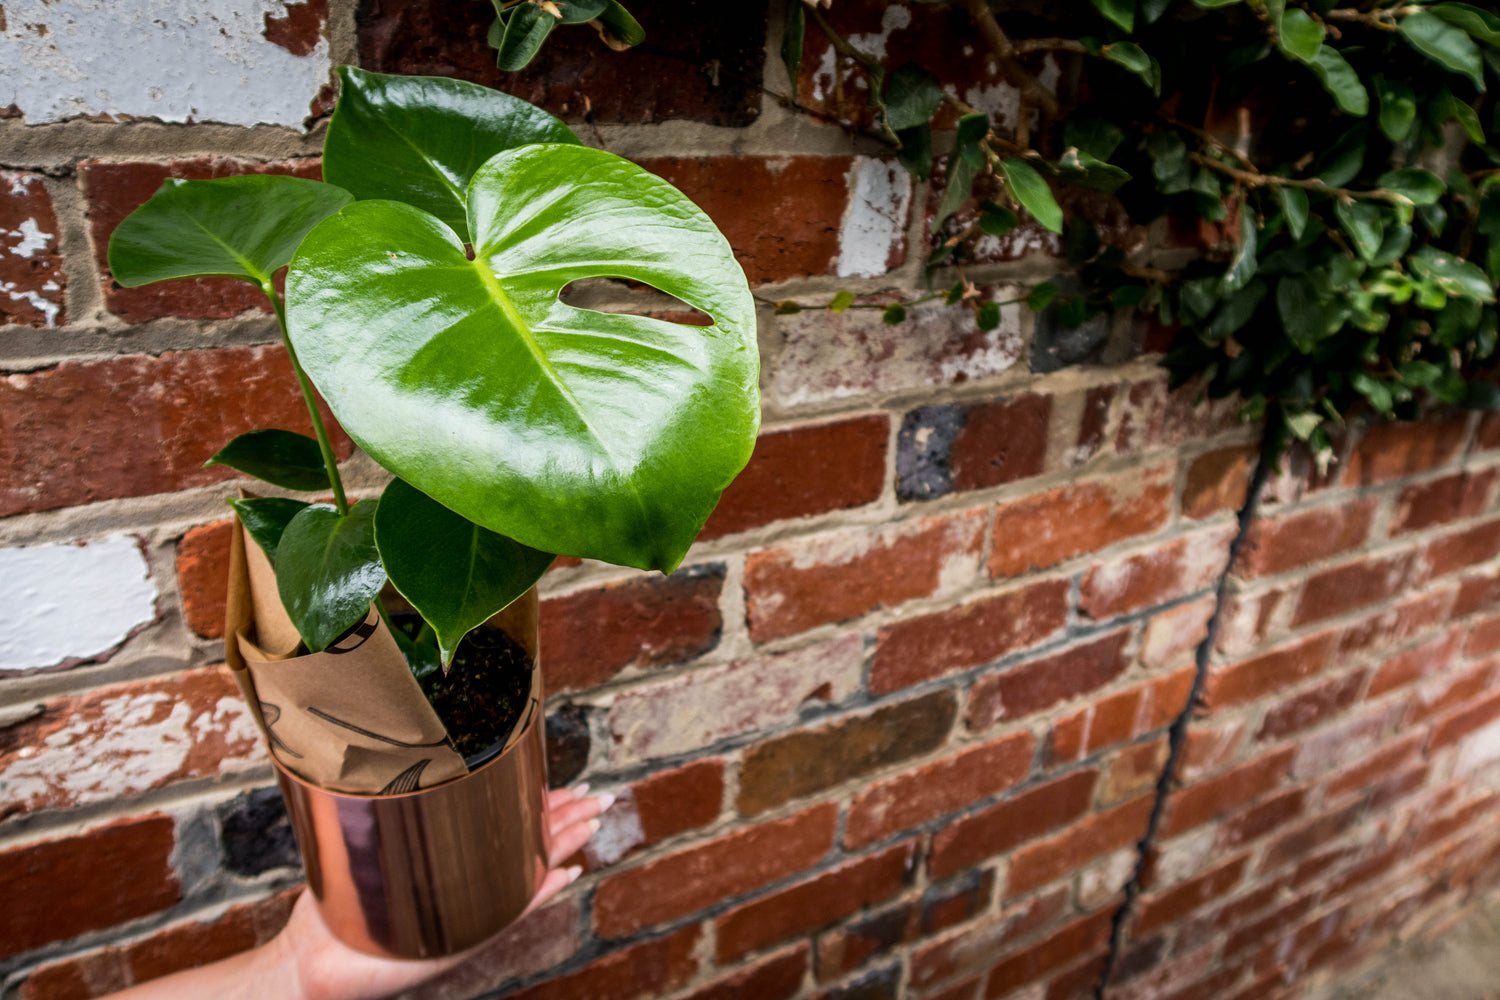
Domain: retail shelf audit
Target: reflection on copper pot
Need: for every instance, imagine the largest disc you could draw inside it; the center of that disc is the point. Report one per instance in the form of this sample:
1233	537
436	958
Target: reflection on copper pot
430	872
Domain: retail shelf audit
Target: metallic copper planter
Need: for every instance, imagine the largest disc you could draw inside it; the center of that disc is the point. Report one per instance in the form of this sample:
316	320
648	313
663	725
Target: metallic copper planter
431	872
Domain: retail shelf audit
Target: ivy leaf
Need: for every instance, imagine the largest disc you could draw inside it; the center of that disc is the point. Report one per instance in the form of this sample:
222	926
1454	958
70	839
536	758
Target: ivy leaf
841	301
1423	187
957	188
266	518
915	153
1041	296
793	35
1169	162
1374	390
1119	12
1340	80
1444	44
1363	224
328	570
1293	202
1087	171
996	220
1303	317
1137	61
1397	241
1242	267
911	96
968	138
1299	36
524	30
1032	192
1453	275
282	458
1481	25
1398	107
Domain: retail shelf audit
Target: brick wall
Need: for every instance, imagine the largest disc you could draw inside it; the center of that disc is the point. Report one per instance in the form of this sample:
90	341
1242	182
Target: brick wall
897	726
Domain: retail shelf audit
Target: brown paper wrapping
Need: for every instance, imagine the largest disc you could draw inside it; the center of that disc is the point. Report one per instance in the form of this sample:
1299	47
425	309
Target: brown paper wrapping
353	718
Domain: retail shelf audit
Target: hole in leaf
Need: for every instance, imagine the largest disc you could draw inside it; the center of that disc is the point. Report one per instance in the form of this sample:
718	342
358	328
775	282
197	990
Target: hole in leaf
633	298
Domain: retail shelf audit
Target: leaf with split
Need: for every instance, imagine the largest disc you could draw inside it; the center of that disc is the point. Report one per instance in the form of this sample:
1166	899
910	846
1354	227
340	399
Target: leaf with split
328	570
419	139
239	227
607	436
1341	81
282	458
911	96
266	518
1446	45
1033	193
455	573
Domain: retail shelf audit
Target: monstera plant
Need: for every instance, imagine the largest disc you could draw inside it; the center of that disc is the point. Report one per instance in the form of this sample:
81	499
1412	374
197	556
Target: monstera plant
423	300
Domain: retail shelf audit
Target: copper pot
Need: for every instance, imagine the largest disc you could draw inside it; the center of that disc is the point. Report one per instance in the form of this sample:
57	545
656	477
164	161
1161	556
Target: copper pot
430	872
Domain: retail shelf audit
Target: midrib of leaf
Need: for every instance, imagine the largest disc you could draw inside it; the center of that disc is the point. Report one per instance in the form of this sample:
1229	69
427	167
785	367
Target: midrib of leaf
432	163
249	267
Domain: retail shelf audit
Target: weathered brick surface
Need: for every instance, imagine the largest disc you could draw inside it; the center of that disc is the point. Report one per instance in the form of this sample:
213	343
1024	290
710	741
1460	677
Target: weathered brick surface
203	577
649	968
1040	684
1281	543
1001	827
1093	837
1173	570
31	267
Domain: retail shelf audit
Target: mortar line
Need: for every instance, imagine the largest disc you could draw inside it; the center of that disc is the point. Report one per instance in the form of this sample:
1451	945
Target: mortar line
1177	733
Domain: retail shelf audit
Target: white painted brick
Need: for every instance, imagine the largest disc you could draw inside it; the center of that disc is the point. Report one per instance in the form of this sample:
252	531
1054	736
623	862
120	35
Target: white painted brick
874	228
208	60
67	602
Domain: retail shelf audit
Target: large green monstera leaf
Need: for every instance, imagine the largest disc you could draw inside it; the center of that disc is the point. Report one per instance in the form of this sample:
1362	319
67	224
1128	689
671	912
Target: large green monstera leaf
572	431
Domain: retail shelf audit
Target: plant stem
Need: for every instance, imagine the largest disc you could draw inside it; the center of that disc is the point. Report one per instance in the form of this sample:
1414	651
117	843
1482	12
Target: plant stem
329	461
1258	180
1010	64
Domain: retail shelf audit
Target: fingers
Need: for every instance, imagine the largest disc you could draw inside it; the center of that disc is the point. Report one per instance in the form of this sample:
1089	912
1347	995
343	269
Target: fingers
575	811
556	881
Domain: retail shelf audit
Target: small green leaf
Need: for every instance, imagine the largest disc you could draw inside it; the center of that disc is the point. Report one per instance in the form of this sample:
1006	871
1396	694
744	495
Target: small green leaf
1088	171
1303	317
1444	44
579	11
1398	107
1341	163
915	153
1302	425
328	570
1211	4
793	36
623	31
911	96
266	518
526	27
1033	193
1374	390
1300	37
1363	224
241	227
996	220
787	308
1119	12
1242	267
1293	202
1041	296
893	314
282	458
1453	275
1340	80
1448	108
1237	310
1152	10
455	573
1480	25
1393	246
957	188
1099	137
968	138
988	316
1421	186
1135	59
841	300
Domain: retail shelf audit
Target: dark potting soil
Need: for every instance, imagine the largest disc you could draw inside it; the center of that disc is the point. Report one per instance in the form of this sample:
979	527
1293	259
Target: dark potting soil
484	692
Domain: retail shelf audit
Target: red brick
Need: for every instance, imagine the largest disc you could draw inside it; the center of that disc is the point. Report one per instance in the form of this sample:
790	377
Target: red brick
1277	544
55	892
1080	982
647	969
1174	635
940	787
813	904
32	274
1304	840
1378	765
1267	929
1396	450
1119	717
968	841
973	948
203	577
1221	795
1426	659
961	899
806	195
152	423
802	471
1353	586
919	649
1133	770
658	807
778	977
1439	501
646	621
1217	481
839	576
1154	416
1347	740
1261	819
692	879
1247	680
846	948
1163	908
1247	621
800	763
1393	626
1461	723
1484	638
1462	549
1442	694
1070	942
1208	749
1040	684
1069	851
1172	570
115	189
539	941
1477	593
1092	426
92	747
1001	442
1315	705
1441	828
1055	526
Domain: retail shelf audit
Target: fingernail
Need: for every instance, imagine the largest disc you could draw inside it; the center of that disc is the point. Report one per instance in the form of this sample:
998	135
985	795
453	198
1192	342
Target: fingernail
593	827
606	800
580	790
573	873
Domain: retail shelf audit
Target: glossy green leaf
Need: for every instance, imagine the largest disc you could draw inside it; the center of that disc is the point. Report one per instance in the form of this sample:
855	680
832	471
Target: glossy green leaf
1453	275
282	458
1299	36
1362	223
419	139
1446	108
1303	316
1033	193
623	30
1444	44
1244	263
455	573
793	38
911	96
1398	107
1098	137
1135	59
1152	10
579	11
996	220
328	571
1422	187
242	227
1118	12
1087	171
607	436
1480	25
1293	202
958	187
968	138
915	153
1211	4
522	31
266	518
1340	80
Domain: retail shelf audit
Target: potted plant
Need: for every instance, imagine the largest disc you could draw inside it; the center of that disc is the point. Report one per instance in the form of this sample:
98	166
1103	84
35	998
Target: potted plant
423	301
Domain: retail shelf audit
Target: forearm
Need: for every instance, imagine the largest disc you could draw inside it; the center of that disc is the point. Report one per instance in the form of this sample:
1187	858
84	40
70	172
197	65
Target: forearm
252	975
